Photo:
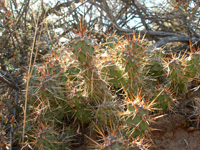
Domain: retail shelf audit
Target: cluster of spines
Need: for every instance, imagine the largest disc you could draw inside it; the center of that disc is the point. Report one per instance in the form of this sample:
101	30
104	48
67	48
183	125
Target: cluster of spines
138	143
42	136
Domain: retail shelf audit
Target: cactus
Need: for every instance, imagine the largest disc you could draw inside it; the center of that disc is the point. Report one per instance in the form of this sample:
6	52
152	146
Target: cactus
175	72
113	142
163	99
83	49
155	68
136	122
85	53
83	92
46	86
105	112
44	137
114	75
132	68
131	61
72	73
47	78
135	46
154	64
81	109
192	68
138	144
136	117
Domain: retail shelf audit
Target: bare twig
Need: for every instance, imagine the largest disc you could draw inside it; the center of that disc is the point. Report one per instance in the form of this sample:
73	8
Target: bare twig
8	82
14	114
30	72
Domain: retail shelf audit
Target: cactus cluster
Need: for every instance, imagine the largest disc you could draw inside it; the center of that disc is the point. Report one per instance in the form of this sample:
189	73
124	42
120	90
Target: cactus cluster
82	91
45	137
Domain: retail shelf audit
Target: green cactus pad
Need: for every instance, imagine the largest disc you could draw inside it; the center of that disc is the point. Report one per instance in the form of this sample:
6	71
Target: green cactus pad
136	119
176	73
131	62
107	112
155	68
81	109
192	68
83	50
47	139
114	75
134	47
163	101
72	73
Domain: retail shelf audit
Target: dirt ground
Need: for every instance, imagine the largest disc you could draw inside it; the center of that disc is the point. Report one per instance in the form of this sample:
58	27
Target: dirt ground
179	130
173	134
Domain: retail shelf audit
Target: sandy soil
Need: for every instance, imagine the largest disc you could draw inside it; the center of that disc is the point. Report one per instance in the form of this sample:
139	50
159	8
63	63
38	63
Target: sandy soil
173	134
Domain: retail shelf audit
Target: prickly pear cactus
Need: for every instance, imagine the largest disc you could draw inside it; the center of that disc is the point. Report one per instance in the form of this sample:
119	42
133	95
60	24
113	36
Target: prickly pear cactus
85	54
81	109
155	68
132	68
178	80
138	144
84	51
47	86
192	68
72	73
135	47
106	112
112	142
113	74
86	91
44	137
131	63
154	64
163	99
136	120
136	117
46	78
